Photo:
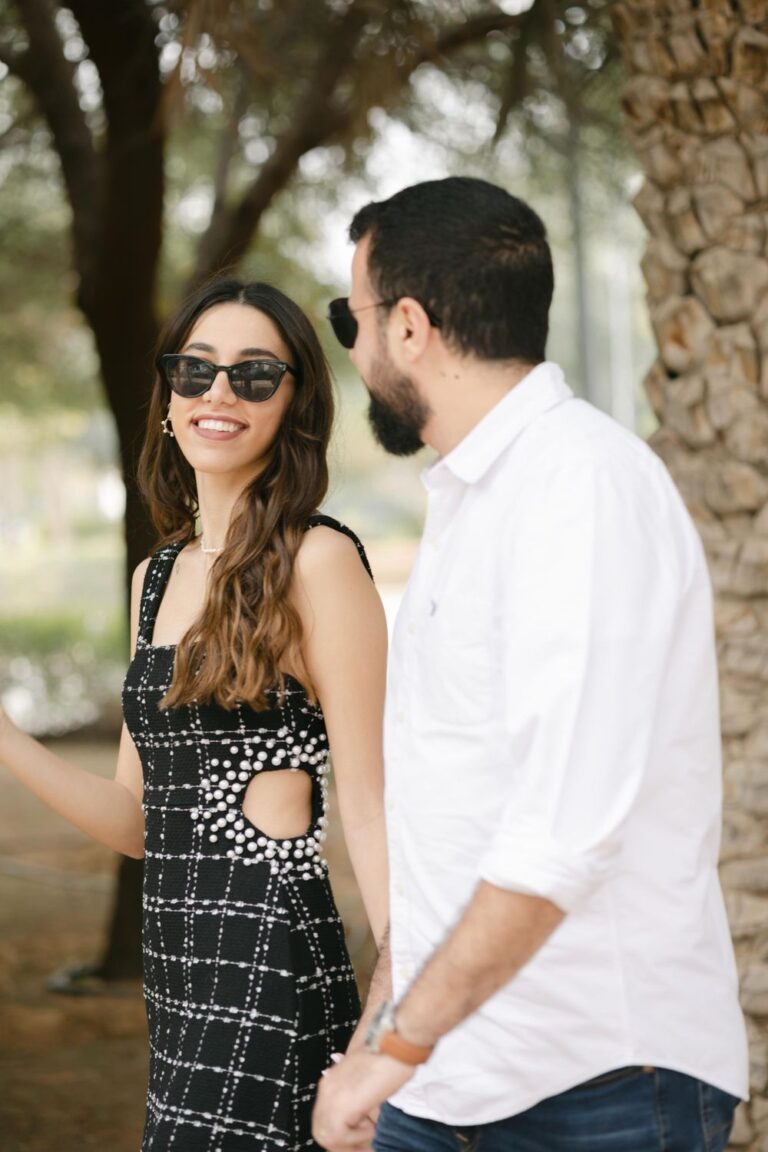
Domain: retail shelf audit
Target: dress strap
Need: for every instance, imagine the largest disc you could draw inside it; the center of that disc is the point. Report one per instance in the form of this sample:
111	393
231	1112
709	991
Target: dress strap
320	518
155	580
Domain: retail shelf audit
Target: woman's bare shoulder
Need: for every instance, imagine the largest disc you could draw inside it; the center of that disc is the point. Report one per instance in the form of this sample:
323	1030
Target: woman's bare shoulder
139	573
325	550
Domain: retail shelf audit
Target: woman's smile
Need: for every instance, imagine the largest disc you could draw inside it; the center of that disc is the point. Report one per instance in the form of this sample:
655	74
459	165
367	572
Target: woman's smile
218	427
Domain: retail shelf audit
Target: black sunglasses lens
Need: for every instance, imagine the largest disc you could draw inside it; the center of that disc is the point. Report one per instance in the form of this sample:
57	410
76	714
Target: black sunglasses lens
343	323
187	375
256	380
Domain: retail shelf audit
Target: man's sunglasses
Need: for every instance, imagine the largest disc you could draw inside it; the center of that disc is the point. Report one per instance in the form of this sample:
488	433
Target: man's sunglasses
254	380
344	324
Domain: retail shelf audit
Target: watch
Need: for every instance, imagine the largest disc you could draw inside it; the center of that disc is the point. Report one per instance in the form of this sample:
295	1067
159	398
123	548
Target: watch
382	1036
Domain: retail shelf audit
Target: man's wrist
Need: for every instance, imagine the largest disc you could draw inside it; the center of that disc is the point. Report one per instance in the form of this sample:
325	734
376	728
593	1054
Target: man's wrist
411	1029
384	1036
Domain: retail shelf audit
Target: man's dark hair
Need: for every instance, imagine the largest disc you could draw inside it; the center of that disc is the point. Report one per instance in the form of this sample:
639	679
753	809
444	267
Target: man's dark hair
471	254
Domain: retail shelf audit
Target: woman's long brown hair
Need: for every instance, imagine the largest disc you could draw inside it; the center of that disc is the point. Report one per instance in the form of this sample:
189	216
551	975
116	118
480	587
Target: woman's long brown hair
238	647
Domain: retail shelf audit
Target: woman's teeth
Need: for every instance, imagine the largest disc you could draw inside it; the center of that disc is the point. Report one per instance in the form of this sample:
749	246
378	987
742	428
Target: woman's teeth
219	425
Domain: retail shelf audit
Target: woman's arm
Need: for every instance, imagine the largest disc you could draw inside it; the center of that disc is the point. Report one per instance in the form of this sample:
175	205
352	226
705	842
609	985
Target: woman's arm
108	810
344	650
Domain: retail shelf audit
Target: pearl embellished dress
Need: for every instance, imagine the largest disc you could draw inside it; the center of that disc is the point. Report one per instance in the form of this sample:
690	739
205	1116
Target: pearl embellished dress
248	983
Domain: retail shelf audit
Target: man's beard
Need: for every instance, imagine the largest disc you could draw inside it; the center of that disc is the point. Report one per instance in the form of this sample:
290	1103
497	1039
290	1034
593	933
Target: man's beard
397	420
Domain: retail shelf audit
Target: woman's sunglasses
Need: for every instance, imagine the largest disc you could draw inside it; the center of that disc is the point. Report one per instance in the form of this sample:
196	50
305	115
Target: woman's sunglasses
344	324
253	380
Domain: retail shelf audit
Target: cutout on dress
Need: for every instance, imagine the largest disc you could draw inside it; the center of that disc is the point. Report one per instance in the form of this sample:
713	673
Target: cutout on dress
279	803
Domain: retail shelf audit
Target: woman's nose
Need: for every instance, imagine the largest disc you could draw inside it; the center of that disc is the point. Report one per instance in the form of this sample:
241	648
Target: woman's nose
221	389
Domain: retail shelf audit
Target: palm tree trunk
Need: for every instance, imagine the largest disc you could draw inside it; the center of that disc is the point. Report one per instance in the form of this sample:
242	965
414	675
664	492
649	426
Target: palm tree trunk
696	102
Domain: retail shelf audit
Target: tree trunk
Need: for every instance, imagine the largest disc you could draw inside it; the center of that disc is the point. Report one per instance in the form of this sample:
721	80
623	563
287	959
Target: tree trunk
118	300
696	102
127	375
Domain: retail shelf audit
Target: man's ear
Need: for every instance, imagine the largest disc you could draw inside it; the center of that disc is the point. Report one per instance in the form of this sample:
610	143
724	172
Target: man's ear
410	329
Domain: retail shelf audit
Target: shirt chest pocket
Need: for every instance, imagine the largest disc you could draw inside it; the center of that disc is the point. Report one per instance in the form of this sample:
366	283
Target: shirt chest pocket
458	658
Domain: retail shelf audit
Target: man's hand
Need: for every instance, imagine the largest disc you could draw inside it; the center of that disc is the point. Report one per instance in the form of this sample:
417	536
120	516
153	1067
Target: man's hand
349	1097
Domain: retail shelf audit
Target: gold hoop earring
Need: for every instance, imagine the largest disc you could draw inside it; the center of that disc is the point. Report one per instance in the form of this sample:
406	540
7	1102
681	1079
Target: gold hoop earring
166	425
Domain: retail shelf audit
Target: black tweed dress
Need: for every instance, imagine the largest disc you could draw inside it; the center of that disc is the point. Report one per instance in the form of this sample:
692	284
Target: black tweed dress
248	983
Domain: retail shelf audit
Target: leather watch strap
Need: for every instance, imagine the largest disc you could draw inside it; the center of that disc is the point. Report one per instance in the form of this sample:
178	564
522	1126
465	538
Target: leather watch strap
391	1044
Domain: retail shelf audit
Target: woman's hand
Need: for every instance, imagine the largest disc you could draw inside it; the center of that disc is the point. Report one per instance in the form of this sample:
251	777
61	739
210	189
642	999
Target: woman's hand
349	1097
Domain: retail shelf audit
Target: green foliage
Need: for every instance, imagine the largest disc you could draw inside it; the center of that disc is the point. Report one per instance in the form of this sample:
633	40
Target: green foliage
59	670
47	349
43	635
238	77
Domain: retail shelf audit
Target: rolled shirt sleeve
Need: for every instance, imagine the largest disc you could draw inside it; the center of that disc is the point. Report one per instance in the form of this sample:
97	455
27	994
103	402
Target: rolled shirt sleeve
595	574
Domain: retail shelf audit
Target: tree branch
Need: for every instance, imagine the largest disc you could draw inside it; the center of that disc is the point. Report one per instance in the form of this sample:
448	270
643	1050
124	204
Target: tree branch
50	78
317	122
470	31
228	147
229	233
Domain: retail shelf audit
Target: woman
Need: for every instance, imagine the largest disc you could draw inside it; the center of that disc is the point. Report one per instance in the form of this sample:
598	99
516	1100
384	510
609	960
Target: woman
257	645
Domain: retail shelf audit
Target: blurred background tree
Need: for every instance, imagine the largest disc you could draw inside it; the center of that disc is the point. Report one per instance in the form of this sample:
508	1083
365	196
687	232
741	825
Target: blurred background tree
696	102
146	145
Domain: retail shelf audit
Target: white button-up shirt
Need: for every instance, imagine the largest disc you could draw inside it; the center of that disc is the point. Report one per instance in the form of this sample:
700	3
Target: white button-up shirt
552	728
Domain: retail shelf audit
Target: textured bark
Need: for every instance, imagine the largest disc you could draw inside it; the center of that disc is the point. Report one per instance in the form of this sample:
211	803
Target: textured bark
696	103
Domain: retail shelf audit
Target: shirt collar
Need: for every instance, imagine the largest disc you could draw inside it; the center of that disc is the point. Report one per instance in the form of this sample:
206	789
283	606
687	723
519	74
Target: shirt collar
541	389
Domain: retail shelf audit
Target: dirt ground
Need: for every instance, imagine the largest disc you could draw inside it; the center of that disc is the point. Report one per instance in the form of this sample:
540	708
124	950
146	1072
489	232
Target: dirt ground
73	1069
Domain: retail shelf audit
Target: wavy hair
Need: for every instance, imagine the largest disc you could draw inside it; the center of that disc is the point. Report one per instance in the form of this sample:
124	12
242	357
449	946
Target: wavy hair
235	651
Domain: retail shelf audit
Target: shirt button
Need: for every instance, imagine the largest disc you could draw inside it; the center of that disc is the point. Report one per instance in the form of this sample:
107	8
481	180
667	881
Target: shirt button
400	716
411	629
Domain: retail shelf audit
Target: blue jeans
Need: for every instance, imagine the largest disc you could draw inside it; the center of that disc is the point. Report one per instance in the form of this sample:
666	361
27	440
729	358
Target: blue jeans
629	1110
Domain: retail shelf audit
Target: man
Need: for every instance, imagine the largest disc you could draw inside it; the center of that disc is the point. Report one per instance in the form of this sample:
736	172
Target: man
563	977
